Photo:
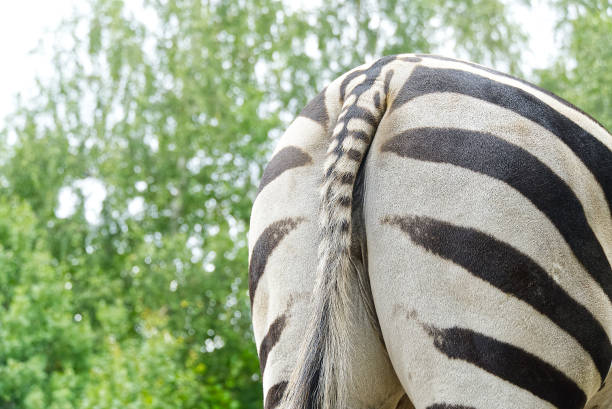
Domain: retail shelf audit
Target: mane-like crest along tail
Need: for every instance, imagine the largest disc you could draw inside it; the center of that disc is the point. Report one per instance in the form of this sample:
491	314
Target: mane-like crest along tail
321	377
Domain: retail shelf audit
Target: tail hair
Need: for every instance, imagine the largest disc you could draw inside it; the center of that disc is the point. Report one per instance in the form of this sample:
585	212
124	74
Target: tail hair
321	377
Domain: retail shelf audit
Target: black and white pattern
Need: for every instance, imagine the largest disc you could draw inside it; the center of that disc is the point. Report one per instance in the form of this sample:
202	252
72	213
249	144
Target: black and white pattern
431	234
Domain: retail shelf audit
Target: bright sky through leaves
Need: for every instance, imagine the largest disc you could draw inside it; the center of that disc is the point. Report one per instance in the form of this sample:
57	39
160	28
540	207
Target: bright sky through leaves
21	31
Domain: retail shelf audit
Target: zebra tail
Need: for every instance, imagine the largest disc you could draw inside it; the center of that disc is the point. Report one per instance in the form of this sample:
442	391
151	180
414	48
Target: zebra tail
321	376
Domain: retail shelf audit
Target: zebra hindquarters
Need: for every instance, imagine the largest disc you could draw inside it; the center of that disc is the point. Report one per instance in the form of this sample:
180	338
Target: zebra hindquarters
481	291
283	240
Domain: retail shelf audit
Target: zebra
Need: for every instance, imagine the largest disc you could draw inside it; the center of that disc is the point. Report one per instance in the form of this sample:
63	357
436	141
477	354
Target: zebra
434	234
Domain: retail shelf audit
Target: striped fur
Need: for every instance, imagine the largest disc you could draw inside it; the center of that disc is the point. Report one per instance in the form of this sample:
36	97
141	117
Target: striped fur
484	277
320	381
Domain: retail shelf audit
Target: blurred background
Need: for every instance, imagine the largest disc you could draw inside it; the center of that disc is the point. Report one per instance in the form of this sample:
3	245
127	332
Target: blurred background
131	144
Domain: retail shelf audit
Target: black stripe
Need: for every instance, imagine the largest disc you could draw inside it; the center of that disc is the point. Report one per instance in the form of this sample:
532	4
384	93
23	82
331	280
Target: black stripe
270	339
275	394
492	156
347	178
264	246
447	406
388	77
344	226
510	363
593	153
361	135
412	59
377	100
339	151
345	83
317	110
371	74
514	273
345	201
361	113
354	154
522	81
287	158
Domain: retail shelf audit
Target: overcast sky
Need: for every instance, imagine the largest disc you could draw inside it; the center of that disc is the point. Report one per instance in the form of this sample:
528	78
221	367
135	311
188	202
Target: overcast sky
23	23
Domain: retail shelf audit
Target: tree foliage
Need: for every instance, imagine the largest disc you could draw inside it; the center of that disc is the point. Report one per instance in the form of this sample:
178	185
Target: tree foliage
153	132
582	74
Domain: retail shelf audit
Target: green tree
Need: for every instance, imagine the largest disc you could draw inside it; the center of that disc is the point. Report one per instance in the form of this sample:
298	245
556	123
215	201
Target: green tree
581	74
44	346
171	110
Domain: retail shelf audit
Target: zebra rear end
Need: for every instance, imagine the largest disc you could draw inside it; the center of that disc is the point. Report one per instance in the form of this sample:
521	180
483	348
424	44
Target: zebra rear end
487	238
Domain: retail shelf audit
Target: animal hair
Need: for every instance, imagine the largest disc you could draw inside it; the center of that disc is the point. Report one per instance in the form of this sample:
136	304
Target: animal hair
342	290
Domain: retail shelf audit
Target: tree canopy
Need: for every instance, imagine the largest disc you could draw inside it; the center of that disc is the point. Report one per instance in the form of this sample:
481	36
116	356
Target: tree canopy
127	181
581	73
